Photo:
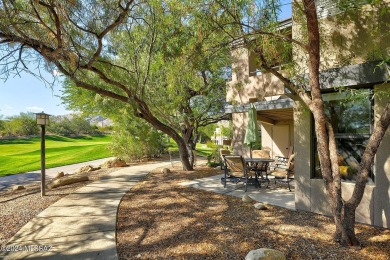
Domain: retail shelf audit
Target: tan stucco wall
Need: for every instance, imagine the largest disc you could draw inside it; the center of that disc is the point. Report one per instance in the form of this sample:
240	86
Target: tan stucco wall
348	39
243	87
381	192
310	194
302	167
239	125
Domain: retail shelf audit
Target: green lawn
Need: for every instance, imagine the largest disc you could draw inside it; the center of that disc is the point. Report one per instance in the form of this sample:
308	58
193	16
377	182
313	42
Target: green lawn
23	155
201	149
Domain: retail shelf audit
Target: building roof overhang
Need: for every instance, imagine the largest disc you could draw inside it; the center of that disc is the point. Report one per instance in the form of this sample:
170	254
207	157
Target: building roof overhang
261	106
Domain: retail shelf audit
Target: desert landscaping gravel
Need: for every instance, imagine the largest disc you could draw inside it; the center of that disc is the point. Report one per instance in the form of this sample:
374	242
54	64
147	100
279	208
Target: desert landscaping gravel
161	219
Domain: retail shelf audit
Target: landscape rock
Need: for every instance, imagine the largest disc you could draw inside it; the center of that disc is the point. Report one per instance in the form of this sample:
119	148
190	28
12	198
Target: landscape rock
114	163
266	254
247	199
260	206
66	181
165	170
18	187
60	174
88	168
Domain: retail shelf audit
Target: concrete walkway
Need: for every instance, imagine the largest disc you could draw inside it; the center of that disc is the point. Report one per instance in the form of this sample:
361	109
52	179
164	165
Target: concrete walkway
31	177
278	196
81	225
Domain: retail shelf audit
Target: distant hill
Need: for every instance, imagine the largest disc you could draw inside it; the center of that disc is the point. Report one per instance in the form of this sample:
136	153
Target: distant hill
100	121
95	120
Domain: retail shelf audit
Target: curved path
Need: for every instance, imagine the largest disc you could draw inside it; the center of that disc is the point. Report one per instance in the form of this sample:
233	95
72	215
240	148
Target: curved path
81	225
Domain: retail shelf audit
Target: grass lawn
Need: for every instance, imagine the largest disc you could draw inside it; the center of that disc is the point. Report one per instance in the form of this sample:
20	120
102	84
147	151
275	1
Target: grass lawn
23	155
201	149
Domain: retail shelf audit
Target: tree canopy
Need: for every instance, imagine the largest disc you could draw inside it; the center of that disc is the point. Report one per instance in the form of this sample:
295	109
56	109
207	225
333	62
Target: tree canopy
151	56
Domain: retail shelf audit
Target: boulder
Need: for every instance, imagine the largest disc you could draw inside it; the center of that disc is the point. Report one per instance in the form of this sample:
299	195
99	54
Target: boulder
114	163
266	254
88	168
59	175
260	206
165	170
18	187
246	199
66	181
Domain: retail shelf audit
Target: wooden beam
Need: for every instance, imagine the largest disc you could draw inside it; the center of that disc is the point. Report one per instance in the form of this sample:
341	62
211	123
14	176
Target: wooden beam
265	120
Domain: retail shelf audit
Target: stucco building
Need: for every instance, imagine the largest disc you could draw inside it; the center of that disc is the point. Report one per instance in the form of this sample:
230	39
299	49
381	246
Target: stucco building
351	50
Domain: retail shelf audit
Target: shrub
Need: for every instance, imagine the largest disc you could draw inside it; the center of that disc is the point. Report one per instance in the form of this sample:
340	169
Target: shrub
130	147
21	125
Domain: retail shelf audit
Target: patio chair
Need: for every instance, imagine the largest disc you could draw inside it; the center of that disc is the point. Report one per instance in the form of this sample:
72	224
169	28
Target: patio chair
284	173
223	152
280	160
235	170
260	154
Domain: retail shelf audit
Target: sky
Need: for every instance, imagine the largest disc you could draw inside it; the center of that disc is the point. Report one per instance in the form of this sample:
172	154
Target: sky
29	94
286	9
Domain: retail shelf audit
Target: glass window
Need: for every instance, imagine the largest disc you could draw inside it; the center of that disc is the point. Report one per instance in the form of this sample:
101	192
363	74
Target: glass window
352	122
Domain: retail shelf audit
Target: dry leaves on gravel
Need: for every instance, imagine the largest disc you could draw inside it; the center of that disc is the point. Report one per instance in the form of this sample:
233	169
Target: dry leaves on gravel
158	218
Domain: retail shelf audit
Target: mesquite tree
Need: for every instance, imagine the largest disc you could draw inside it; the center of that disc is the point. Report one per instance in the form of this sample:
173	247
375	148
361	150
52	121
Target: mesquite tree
253	25
148	55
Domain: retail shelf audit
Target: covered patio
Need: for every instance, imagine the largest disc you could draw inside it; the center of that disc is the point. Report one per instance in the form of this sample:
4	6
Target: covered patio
276	194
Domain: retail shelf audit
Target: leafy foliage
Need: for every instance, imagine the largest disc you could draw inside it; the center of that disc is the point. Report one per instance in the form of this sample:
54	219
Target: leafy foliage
21	125
73	125
133	140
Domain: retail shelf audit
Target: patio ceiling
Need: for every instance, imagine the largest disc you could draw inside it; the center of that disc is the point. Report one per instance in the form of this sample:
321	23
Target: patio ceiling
271	116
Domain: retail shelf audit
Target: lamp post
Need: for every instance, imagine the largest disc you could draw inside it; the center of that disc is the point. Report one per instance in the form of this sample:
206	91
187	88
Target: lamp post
42	120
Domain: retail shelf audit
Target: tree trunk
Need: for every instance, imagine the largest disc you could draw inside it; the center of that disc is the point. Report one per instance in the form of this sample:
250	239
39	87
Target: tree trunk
180	141
326	144
345	227
191	150
184	156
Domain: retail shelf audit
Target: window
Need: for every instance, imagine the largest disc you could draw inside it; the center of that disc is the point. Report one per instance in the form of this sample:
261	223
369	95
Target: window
352	124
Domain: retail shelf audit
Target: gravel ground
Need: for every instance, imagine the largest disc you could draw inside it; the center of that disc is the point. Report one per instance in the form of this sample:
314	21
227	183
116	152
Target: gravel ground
159	219
17	208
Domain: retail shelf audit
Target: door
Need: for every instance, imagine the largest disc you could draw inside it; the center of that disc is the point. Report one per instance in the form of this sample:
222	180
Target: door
281	140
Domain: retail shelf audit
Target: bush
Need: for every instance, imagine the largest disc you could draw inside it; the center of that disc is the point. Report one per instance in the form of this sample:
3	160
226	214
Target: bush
130	147
76	125
214	159
211	145
22	125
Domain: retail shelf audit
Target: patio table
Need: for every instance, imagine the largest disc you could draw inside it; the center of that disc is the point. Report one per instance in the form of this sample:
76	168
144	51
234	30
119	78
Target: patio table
259	166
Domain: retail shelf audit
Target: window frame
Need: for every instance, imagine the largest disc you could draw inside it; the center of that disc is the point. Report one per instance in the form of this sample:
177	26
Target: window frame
313	143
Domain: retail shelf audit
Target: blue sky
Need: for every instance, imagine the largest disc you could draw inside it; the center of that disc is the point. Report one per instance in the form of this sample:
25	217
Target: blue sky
29	94
285	9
